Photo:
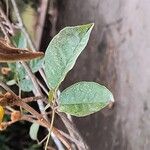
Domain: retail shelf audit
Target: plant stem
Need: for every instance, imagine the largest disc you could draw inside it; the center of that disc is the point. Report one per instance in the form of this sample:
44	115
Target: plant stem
41	120
38	91
73	131
47	141
42	86
41	21
3	30
21	25
7	22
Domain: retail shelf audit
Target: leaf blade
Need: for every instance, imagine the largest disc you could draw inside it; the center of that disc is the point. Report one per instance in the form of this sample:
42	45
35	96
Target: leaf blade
84	98
34	131
63	52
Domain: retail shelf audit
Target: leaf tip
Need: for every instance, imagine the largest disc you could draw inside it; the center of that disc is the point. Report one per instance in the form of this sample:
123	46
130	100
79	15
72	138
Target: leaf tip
90	25
112	99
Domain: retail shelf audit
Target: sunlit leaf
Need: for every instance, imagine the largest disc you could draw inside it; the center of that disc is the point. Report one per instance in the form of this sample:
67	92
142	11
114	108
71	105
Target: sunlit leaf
63	52
84	98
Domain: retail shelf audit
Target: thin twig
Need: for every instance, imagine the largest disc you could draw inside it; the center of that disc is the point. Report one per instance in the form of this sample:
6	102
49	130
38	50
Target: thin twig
21	25
3	30
47	141
10	109
41	22
31	99
2	84
39	93
73	131
25	32
51	127
56	132
42	73
36	86
42	121
41	107
42	86
7	7
7	22
40	142
53	13
71	138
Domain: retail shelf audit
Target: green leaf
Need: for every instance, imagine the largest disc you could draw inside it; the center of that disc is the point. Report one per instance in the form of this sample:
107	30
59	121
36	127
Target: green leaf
12	66
84	98
18	70
34	131
26	85
36	64
63	52
19	40
11	82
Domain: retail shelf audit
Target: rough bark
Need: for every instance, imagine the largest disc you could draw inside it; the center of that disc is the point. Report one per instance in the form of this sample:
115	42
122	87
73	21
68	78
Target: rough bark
118	57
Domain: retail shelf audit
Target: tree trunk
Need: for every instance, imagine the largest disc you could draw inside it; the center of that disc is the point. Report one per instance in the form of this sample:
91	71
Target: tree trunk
118	57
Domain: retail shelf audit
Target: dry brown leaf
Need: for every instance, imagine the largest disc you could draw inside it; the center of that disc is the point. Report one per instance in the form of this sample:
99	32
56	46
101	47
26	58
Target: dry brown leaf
9	53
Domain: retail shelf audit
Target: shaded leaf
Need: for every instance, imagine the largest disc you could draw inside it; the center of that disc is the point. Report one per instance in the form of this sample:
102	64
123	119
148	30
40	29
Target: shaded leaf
11	82
19	72
26	85
19	40
36	64
34	131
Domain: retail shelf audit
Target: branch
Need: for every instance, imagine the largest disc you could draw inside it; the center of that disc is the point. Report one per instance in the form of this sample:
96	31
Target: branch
38	91
42	121
21	25
73	131
6	21
3	30
41	22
